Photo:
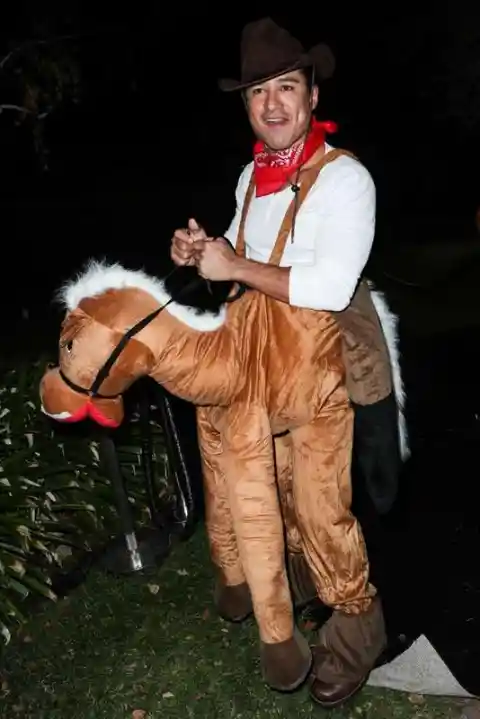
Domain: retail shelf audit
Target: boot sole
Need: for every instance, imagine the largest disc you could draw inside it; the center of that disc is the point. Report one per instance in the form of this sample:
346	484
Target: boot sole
343	700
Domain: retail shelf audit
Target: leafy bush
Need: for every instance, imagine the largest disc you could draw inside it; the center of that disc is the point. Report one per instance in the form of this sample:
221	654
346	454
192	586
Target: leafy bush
54	498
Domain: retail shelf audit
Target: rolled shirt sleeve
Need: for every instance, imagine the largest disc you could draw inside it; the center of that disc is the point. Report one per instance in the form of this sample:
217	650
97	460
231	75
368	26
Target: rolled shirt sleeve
342	244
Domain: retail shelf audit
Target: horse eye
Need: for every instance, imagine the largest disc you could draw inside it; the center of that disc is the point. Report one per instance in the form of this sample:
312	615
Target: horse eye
69	346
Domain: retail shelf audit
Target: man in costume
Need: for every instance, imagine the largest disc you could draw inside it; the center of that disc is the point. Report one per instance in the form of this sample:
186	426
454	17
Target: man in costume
323	202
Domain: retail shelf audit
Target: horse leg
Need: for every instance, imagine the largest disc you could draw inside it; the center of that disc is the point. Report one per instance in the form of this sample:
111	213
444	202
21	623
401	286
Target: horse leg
232	595
257	518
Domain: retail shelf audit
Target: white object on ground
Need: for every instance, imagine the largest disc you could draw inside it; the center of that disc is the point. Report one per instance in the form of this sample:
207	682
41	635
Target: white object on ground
419	670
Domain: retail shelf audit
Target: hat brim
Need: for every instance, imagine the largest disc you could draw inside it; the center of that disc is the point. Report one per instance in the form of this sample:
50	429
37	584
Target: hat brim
320	56
229	85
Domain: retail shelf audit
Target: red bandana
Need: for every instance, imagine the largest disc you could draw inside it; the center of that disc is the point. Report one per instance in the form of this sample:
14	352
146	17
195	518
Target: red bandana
273	170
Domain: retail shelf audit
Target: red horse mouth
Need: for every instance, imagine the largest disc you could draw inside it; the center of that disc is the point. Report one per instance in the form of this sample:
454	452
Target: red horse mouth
87	411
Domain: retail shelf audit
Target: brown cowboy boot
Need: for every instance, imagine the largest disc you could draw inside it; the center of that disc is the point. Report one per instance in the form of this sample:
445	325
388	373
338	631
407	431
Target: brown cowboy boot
347	650
234	603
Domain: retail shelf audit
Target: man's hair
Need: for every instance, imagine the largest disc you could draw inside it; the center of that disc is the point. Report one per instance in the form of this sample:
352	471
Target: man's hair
309	75
307	72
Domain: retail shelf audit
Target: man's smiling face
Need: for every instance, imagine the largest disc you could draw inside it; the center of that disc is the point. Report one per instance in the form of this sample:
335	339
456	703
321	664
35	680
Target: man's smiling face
279	110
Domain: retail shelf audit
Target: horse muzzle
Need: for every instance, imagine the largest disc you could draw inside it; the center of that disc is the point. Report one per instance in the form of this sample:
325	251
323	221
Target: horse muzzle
61	402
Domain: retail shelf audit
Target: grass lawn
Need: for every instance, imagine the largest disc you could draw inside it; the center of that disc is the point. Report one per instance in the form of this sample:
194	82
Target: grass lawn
152	647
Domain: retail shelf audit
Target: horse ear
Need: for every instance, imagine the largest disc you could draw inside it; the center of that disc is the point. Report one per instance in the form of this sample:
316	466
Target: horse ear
72	324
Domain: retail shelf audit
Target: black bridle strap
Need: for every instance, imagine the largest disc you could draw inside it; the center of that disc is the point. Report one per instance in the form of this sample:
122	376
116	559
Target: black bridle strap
83	390
104	371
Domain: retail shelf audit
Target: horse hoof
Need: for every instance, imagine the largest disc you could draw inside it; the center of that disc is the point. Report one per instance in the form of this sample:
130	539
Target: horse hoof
286	665
233	602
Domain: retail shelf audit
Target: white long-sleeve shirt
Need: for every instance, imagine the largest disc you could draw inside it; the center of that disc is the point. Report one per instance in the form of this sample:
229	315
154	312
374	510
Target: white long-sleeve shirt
334	232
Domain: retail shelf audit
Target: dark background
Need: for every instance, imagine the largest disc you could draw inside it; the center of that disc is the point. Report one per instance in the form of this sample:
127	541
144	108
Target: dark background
152	140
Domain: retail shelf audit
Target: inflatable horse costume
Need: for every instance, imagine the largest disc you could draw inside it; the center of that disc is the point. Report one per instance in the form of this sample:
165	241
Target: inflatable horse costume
274	387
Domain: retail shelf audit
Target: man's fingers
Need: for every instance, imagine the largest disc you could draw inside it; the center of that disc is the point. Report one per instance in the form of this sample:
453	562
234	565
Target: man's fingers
183	245
182	250
183	236
193	225
196	230
182	261
188	250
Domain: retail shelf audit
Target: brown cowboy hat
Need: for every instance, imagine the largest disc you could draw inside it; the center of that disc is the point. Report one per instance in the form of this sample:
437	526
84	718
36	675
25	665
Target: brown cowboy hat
268	50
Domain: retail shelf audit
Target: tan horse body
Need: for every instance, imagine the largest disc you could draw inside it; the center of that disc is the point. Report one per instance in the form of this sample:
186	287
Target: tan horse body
275	425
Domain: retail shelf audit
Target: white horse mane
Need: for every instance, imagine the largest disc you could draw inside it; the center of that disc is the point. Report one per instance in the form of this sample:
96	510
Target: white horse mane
98	277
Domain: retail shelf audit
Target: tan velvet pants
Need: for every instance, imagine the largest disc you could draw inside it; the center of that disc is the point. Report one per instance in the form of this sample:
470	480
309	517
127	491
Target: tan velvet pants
311	498
313	474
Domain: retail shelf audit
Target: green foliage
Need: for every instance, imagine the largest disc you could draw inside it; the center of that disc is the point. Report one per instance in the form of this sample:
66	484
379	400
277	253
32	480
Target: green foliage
37	78
47	75
54	497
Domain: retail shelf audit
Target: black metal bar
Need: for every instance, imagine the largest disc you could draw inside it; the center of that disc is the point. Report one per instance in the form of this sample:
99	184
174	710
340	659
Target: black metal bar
184	502
108	455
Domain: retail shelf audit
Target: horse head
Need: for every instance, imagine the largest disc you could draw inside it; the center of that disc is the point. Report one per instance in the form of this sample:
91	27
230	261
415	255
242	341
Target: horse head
99	354
109	339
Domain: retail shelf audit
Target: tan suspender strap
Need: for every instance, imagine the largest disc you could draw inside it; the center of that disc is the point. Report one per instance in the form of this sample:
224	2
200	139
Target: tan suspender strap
307	180
240	246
